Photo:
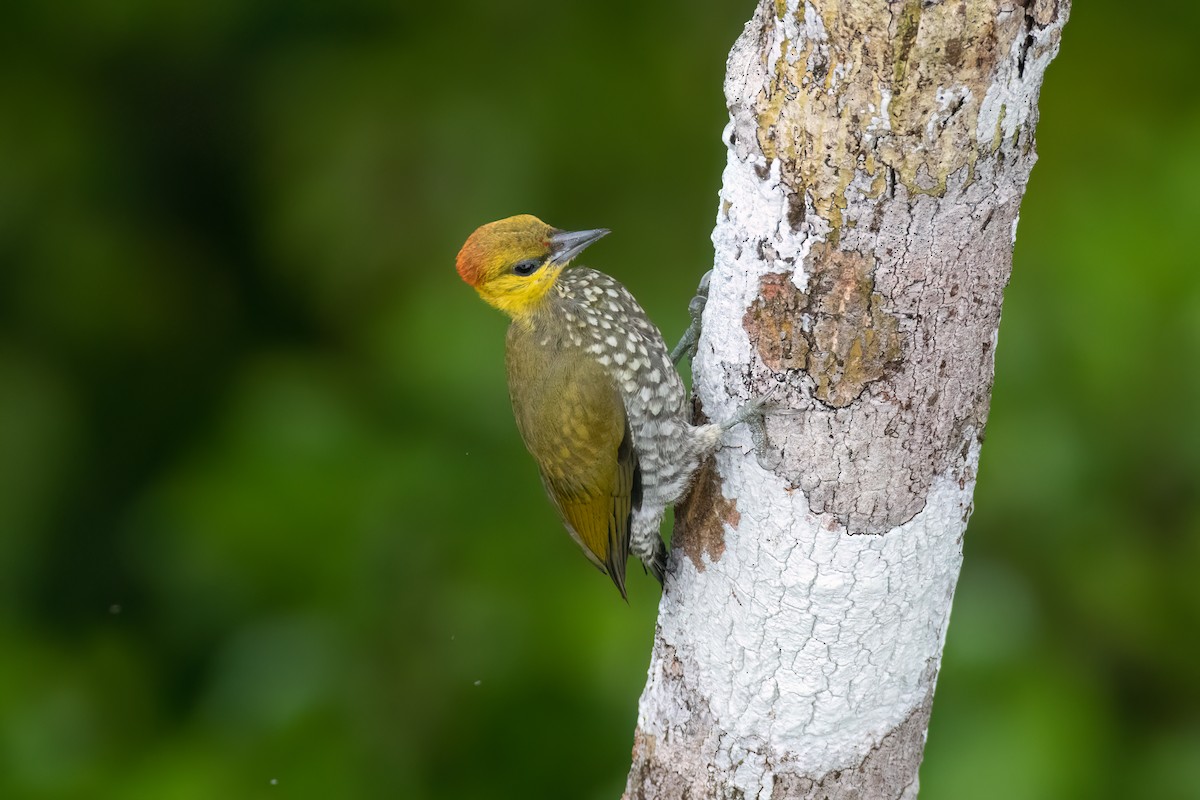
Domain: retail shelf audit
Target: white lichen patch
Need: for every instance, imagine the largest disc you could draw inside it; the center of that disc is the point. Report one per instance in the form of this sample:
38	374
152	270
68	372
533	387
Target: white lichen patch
879	122
756	213
811	36
1011	99
805	640
949	101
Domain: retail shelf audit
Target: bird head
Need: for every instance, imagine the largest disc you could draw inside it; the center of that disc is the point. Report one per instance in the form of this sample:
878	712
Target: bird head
513	262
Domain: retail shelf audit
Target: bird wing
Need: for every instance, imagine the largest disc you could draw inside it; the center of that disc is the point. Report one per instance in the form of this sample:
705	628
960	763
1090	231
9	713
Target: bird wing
573	421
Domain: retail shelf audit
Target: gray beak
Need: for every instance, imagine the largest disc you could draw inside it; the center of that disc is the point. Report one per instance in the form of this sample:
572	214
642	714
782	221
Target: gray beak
565	245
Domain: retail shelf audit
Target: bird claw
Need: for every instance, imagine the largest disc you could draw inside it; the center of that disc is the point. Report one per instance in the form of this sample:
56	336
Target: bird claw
754	414
691	337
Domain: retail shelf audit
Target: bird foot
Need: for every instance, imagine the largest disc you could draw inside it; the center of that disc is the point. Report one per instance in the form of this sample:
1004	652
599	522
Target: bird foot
691	337
754	414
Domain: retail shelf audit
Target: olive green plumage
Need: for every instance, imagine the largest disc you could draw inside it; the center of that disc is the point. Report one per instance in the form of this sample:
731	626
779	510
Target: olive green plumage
573	423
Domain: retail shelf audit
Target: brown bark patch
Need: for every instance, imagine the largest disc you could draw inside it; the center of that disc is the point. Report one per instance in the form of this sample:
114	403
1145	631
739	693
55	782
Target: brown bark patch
774	322
700	520
673	765
854	339
839	333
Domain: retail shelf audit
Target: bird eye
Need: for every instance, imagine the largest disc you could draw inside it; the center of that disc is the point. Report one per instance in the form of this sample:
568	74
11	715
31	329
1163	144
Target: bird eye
527	267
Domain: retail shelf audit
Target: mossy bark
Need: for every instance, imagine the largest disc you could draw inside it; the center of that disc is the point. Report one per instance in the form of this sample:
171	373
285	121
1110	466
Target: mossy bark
878	153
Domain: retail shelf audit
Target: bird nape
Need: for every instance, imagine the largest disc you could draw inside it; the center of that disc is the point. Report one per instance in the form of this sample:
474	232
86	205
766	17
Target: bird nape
594	391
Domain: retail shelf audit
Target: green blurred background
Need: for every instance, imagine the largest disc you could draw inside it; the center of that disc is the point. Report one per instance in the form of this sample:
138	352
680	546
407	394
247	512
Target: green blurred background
266	527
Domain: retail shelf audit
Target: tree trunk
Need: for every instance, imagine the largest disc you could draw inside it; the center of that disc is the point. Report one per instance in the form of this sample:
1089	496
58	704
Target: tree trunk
878	152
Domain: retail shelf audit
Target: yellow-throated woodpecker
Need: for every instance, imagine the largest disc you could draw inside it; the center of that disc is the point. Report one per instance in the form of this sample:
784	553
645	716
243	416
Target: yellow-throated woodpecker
595	394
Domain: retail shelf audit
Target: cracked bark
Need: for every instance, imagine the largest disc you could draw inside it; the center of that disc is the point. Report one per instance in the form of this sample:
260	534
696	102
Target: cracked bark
877	155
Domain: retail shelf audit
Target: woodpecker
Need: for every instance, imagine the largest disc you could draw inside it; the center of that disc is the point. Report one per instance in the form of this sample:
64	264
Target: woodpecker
595	394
